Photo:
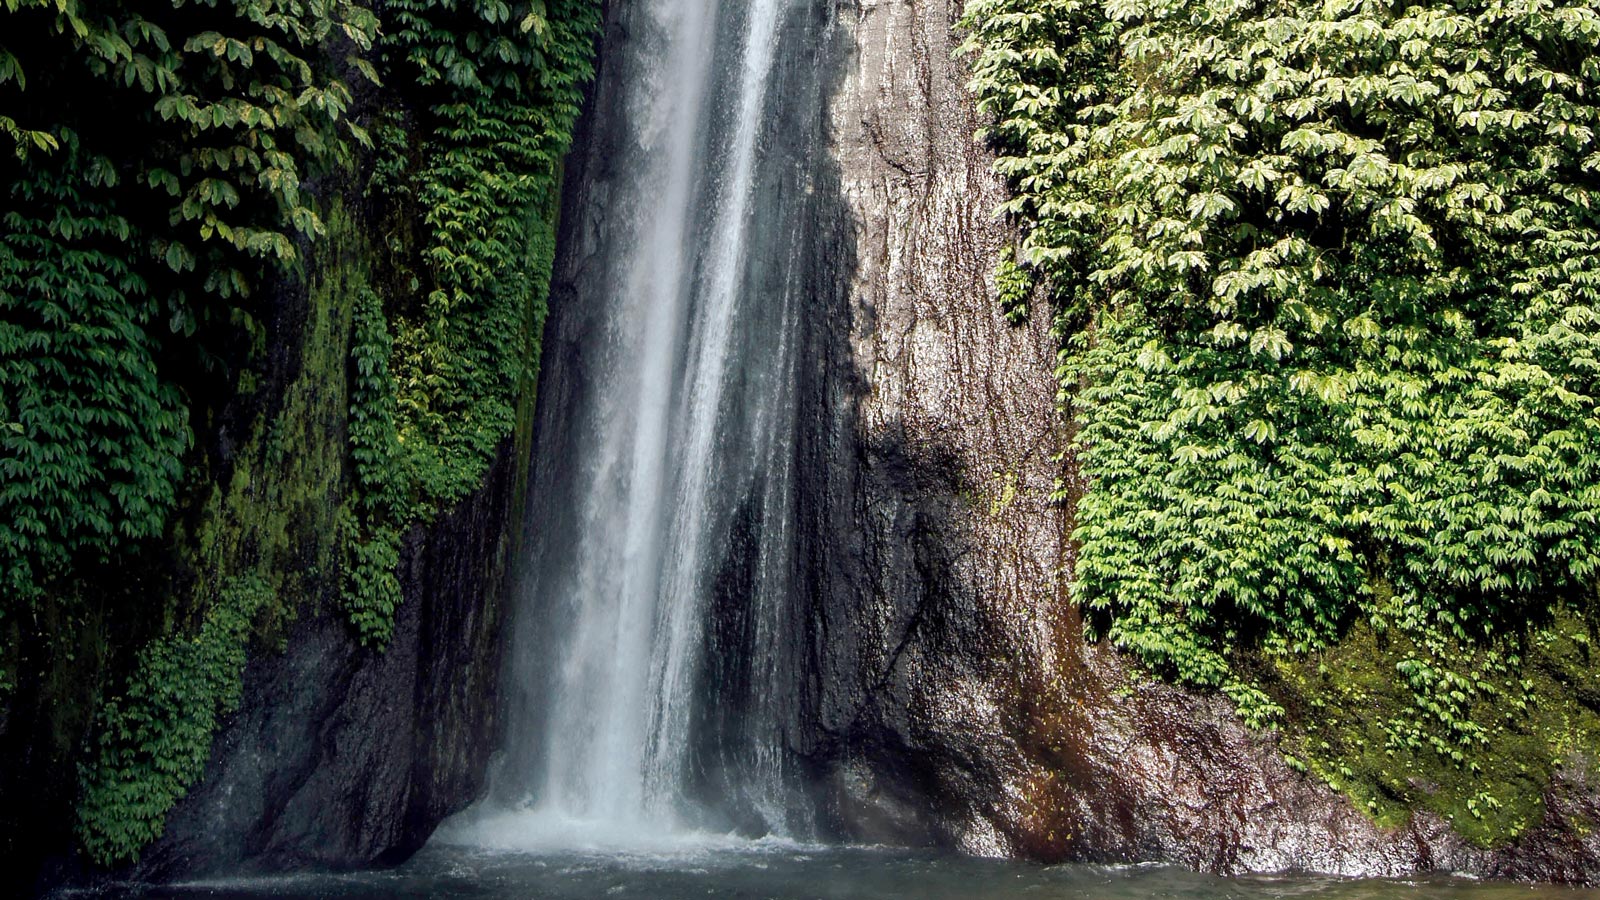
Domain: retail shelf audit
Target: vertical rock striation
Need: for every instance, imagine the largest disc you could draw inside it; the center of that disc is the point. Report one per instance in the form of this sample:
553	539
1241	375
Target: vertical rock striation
942	585
956	699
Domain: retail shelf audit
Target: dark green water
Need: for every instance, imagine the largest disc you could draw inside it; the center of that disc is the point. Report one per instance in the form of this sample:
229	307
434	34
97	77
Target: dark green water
794	873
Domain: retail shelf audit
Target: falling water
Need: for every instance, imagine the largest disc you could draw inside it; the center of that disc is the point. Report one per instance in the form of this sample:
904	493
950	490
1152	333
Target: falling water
662	467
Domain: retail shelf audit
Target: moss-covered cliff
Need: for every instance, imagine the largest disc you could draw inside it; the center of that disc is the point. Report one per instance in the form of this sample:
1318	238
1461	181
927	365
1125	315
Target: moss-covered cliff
269	328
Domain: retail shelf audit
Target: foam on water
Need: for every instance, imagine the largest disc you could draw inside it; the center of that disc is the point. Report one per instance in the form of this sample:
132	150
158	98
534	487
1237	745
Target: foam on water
548	832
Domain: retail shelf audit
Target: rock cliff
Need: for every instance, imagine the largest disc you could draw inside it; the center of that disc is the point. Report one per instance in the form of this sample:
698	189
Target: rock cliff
343	755
959	700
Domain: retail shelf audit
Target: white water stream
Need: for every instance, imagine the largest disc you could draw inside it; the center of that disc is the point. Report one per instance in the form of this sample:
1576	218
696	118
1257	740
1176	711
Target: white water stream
678	427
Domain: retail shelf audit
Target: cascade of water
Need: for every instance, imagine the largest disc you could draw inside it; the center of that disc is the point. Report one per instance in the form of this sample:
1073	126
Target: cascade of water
675	431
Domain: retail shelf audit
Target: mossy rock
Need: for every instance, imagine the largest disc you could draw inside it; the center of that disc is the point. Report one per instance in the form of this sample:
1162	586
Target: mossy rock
1353	722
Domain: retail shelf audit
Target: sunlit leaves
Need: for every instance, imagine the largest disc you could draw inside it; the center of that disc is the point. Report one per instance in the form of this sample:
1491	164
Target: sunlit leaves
1327	273
227	99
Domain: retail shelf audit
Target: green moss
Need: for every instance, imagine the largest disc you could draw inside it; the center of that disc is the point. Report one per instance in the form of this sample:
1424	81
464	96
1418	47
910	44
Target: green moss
1001	492
1351	722
537	313
281	497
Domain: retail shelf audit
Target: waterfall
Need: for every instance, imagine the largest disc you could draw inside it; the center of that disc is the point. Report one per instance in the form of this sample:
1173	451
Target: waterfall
662	489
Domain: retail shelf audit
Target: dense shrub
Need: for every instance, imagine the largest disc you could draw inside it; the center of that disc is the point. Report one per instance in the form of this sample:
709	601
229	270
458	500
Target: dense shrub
1328	280
438	380
132	221
91	436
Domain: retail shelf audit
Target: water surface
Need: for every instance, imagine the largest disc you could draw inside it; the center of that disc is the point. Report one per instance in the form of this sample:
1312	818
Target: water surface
773	870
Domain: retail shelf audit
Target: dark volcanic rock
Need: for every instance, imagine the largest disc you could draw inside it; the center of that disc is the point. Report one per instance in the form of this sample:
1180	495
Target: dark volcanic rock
344	757
940	580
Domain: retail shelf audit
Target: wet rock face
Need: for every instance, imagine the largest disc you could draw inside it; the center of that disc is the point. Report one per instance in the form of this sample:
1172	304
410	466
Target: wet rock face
343	757
955	698
943	572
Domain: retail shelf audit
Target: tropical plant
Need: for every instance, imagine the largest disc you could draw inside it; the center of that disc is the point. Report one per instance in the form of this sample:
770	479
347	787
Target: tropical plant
1327	276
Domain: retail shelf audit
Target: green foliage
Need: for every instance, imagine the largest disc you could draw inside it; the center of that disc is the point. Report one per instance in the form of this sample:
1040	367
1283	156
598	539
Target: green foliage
1014	284
91	438
1328	281
372	593
152	160
434	400
131	223
135	229
232	109
270	511
156	736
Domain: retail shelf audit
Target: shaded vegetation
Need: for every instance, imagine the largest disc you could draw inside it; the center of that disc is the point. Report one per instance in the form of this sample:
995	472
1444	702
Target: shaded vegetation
154	167
437	386
156	736
169	172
